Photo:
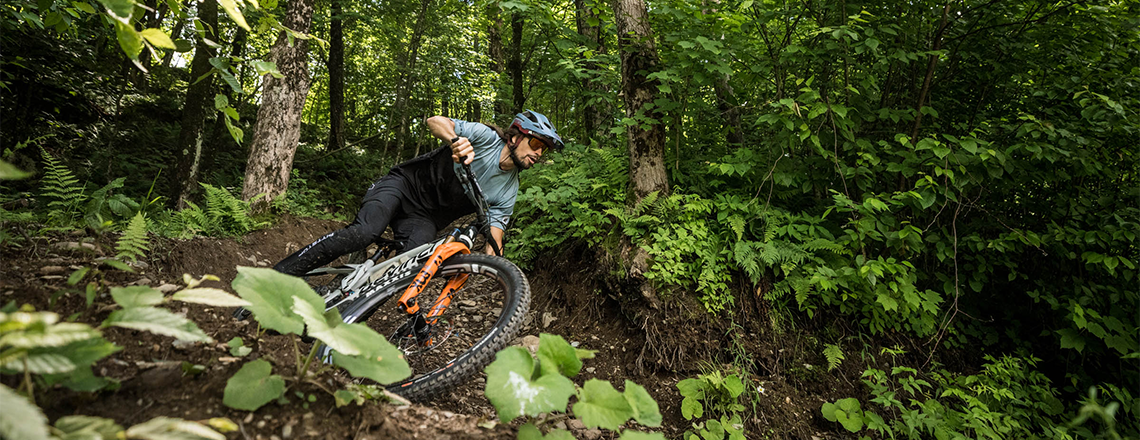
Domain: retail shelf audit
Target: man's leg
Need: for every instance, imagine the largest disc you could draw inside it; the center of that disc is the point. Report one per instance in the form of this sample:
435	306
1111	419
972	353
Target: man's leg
379	207
413	231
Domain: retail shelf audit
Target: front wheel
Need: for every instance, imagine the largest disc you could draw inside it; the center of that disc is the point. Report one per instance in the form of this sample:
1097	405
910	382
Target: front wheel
483	317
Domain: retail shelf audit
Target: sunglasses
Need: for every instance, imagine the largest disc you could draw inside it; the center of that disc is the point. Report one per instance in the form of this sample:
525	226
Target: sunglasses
538	144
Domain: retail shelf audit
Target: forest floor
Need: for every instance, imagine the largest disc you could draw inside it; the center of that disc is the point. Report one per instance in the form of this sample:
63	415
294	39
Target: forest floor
154	383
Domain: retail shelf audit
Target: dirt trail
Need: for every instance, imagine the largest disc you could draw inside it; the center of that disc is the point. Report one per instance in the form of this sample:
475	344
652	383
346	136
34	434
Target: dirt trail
154	384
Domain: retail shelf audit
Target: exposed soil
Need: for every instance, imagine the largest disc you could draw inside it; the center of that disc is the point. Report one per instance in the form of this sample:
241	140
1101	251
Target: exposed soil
653	347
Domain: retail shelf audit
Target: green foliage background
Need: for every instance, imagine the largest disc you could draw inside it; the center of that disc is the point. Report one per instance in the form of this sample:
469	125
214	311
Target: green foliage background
963	174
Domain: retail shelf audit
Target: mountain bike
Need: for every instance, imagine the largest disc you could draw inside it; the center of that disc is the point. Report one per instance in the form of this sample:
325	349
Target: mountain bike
453	309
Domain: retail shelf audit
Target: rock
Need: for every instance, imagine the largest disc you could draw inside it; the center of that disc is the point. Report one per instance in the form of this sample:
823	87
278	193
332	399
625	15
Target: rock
183	345
52	270
576	424
73	246
547	318
575	344
140	264
51	277
477	318
592	434
167	288
260	424
590	370
530	343
560	425
287	431
143	282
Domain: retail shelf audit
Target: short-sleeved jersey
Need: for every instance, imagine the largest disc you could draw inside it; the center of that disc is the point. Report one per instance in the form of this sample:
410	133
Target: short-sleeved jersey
499	187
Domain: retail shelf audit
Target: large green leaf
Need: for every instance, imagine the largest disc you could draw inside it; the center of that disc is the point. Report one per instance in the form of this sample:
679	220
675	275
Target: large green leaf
271	294
346	339
600	405
514	394
165	428
136	296
49	336
645	409
121	8
106	428
253	386
20	419
129	39
638	435
40	363
691	407
231	8
210	296
556	356
159	321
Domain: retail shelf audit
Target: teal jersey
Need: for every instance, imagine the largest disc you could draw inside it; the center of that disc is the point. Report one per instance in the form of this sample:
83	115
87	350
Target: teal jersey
499	187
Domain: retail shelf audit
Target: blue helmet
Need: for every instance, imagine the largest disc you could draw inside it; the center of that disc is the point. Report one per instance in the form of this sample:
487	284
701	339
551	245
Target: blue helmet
533	123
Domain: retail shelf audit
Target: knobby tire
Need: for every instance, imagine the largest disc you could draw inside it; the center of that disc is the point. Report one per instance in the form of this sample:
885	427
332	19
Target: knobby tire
492	279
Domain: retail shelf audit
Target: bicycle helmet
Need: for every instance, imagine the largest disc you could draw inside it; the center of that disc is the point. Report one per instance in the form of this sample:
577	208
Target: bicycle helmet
533	123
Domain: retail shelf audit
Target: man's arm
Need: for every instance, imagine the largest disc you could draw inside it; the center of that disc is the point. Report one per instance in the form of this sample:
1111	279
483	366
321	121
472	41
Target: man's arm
444	128
497	234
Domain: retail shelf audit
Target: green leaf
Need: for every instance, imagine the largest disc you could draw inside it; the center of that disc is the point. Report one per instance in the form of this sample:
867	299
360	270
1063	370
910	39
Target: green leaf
41	363
513	393
691	407
120	8
600	405
556	356
118	265
853	422
10	172
638	435
221	101
1071	338
734	386
231	8
271	294
159	321
158	38
210	296
20	419
344	397
129	40
382	364
692	388
828	411
645	409
49	336
264	67
106	428
253	386
165	428
529	432
77	276
83	6
346	339
136	296
238	348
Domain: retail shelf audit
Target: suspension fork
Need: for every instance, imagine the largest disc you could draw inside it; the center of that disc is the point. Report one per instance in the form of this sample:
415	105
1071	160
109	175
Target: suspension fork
408	301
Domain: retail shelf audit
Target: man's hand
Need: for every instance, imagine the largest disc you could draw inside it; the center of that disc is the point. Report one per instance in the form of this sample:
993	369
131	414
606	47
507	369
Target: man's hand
461	148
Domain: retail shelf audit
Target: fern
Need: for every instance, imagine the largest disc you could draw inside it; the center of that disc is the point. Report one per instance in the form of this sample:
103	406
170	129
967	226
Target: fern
834	356
227	215
62	190
133	244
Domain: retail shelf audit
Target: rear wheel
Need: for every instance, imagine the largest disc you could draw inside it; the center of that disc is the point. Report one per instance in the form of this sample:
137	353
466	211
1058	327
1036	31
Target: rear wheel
483	317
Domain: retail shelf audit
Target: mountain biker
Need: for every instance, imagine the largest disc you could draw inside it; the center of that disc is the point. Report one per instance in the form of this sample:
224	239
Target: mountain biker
422	196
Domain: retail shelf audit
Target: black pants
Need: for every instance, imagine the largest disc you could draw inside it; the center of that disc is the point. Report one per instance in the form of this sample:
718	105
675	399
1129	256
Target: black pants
417	199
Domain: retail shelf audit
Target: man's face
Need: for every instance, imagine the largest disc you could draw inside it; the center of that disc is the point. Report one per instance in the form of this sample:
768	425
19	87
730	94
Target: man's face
529	151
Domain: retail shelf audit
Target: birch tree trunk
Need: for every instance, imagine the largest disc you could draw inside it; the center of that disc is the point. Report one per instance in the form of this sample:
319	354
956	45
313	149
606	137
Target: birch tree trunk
278	127
194	111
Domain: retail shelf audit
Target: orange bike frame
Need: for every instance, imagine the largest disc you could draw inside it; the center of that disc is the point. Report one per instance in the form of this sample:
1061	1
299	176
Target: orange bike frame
408	300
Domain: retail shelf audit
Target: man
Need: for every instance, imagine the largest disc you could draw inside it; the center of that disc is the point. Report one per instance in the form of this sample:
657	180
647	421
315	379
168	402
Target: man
420	197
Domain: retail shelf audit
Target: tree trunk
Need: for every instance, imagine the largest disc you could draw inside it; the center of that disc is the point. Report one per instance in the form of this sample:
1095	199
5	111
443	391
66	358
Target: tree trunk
336	78
515	63
495	54
406	64
646	143
195	109
278	127
730	111
638	60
